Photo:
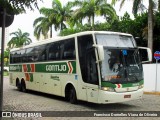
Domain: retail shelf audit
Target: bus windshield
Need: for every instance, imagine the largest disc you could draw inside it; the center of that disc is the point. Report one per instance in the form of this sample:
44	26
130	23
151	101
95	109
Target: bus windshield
115	40
121	66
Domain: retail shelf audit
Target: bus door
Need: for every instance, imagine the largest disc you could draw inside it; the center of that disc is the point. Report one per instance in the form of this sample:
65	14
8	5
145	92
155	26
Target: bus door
92	76
87	59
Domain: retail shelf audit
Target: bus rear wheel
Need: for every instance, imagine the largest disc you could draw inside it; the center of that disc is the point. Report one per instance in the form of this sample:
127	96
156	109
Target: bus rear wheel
18	85
23	87
72	96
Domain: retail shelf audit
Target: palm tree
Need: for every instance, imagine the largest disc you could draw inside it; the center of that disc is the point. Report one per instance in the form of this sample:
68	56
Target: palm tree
41	27
56	16
137	5
20	39
91	8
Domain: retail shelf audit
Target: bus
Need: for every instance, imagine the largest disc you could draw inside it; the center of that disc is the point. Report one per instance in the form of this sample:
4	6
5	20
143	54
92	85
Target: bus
94	66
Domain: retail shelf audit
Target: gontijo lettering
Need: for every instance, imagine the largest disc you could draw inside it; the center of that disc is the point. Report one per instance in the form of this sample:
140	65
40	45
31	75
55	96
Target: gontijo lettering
56	67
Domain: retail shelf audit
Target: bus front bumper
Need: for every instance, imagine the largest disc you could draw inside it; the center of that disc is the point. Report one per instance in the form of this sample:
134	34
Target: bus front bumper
114	97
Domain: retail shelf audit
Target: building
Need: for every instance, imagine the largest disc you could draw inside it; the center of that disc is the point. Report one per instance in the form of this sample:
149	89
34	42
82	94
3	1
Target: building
6	37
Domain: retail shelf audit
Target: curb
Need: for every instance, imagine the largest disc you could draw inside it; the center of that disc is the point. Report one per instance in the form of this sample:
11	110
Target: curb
152	93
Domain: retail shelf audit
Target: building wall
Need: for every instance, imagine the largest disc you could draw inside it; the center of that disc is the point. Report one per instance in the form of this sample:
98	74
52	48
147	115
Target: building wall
6	37
151	82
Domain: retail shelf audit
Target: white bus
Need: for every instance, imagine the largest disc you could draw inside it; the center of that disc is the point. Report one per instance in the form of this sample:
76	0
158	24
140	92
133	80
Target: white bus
95	66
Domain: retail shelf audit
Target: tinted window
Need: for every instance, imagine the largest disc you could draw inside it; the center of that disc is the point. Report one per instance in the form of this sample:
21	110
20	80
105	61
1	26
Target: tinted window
40	53
23	55
30	55
15	57
68	49
53	52
12	57
61	50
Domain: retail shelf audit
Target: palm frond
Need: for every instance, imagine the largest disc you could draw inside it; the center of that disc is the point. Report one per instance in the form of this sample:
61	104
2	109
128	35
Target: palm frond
136	6
46	11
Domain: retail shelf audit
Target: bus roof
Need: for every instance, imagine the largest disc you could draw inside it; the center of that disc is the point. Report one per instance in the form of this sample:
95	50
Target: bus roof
45	41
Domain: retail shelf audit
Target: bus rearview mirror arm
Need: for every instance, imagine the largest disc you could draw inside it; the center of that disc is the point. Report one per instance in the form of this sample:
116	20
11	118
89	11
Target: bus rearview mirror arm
100	52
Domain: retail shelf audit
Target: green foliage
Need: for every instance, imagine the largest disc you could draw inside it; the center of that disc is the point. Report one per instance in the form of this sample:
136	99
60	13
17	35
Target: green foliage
156	32
18	6
57	16
6	54
89	9
19	39
41	27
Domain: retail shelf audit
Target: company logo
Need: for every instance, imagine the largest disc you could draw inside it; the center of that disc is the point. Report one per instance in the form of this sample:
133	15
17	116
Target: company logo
56	68
6	114
65	67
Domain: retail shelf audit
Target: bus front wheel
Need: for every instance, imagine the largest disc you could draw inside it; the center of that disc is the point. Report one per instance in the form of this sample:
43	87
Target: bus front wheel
72	96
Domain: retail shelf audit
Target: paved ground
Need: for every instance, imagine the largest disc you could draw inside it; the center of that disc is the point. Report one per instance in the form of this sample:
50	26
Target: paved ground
13	100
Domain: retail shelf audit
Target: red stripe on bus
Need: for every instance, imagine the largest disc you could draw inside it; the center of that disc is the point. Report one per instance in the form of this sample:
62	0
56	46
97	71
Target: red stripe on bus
32	67
70	67
24	67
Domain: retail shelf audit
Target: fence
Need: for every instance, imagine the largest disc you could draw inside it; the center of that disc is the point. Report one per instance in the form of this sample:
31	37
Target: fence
151	78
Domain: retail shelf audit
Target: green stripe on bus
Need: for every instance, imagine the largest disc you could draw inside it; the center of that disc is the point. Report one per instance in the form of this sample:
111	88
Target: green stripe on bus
63	67
108	84
15	68
31	77
28	68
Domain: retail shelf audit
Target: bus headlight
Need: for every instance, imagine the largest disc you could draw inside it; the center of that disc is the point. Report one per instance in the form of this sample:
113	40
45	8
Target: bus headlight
110	89
140	87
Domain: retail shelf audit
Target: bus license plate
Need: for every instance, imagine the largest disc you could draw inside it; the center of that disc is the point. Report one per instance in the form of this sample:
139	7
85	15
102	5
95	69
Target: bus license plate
127	96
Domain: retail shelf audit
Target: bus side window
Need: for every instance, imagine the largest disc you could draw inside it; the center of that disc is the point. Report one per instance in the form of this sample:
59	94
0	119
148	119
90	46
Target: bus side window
16	57
40	53
11	57
22	54
68	49
30	54
53	51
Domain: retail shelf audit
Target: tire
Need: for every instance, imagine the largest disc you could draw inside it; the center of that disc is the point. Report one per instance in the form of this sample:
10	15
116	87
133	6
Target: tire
19	87
72	96
23	87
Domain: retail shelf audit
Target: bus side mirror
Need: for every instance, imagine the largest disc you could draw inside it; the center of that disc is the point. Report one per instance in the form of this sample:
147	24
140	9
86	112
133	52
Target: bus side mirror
100	50
146	54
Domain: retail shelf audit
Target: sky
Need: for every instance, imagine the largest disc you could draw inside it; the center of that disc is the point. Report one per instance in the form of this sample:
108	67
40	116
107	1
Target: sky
25	21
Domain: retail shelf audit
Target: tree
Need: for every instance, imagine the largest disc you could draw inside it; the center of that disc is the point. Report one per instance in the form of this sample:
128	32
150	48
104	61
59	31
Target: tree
6	57
58	14
19	6
91	8
137	5
41	27
19	39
